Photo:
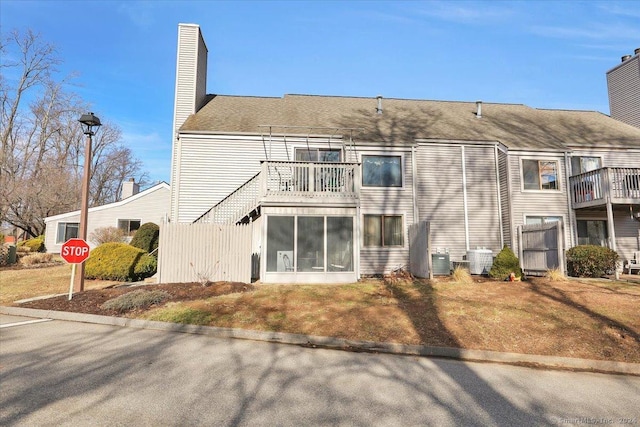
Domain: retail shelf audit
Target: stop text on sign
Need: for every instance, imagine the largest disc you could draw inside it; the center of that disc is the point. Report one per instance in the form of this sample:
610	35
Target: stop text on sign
75	251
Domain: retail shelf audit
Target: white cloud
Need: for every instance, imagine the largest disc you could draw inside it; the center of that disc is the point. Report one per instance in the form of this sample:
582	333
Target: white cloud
465	12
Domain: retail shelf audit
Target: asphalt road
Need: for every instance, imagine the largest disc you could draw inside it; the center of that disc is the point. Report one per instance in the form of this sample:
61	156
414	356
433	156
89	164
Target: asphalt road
68	373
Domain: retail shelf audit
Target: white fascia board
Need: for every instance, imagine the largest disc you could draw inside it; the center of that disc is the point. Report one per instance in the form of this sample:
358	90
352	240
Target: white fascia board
111	205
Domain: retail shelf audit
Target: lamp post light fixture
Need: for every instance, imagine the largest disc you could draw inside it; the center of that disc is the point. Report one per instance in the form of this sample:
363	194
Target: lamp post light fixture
90	125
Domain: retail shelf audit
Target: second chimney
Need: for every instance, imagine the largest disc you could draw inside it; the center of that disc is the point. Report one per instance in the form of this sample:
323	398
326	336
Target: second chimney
129	188
479	109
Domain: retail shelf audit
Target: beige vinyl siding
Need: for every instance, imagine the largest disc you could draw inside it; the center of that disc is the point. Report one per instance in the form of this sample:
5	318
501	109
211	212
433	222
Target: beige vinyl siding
213	166
388	201
190	91
440	196
482	198
541	202
627	233
151	207
624	91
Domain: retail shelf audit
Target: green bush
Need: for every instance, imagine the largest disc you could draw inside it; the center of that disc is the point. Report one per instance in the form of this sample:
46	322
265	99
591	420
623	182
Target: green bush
119	261
591	261
146	238
35	244
506	262
135	299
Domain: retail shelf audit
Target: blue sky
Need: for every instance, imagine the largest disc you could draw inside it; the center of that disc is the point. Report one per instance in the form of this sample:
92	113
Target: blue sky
545	54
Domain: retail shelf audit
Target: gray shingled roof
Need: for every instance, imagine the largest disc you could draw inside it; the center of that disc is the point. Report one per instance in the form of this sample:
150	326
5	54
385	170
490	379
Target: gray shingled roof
404	120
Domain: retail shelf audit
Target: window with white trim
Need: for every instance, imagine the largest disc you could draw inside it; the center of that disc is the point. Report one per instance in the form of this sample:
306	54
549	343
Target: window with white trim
129	226
66	231
383	230
381	171
540	174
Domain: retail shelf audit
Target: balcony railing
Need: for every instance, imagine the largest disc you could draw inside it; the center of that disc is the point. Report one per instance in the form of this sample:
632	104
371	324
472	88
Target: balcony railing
288	182
621	185
307	179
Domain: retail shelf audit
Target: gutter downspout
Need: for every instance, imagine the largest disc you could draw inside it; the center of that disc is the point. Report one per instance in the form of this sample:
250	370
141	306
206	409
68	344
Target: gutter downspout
495	156
464	199
572	216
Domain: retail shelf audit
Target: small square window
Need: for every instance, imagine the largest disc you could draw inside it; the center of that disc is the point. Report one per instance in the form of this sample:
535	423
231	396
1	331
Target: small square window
540	174
66	231
383	230
129	226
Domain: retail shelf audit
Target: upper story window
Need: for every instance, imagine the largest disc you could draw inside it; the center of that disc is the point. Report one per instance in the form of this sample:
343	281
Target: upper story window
540	174
584	164
322	155
381	171
66	231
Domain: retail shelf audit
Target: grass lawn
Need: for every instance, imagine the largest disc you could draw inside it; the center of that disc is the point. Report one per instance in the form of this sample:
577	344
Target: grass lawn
17	284
593	319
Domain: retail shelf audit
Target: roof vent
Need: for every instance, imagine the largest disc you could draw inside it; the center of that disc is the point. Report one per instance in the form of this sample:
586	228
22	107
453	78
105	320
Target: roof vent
626	58
637	51
479	109
379	107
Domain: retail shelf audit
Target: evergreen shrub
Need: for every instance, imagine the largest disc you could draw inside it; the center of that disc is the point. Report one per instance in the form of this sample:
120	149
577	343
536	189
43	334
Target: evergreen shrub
591	261
146	238
506	262
119	261
35	244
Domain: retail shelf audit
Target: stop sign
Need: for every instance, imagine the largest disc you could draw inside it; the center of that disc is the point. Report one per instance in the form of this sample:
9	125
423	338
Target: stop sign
75	251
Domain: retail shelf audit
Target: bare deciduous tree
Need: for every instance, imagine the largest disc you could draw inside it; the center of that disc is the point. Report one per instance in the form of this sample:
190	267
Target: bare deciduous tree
42	144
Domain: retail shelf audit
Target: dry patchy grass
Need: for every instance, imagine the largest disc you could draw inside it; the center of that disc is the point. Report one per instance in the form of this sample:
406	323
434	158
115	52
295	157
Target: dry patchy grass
594	319
20	283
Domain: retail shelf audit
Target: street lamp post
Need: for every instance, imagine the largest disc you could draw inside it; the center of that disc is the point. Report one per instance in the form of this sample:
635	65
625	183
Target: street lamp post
90	124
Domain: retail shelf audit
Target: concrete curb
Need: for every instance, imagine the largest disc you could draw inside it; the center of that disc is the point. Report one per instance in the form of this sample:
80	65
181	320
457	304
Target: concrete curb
553	362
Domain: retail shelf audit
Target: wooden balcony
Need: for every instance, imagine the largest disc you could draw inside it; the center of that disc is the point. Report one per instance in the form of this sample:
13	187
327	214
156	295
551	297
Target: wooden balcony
289	184
595	188
308	183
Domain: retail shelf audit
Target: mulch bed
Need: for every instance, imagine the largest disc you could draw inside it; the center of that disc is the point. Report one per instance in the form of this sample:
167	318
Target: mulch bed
90	301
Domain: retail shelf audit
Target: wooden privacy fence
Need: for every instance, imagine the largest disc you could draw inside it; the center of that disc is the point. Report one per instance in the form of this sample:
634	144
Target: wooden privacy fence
204	252
420	250
541	248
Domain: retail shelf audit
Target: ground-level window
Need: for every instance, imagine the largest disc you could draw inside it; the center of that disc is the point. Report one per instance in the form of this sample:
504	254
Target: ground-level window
592	232
383	230
381	171
309	243
66	231
540	174
542	219
129	226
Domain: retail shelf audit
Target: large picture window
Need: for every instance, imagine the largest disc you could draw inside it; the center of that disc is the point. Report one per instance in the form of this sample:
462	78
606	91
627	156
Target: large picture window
381	171
540	174
66	231
383	230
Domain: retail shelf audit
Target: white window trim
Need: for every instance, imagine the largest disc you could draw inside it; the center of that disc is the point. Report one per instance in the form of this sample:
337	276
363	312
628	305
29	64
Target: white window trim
528	215
388	154
63	240
385	248
541	159
324	148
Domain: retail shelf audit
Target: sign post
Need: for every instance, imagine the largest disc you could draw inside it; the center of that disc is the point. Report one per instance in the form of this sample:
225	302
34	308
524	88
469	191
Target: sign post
74	251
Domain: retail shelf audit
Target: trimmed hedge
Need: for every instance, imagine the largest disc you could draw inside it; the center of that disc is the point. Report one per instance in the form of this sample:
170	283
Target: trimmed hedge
146	238
591	261
506	262
119	261
35	244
